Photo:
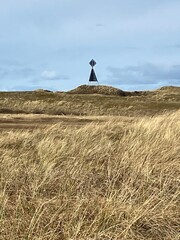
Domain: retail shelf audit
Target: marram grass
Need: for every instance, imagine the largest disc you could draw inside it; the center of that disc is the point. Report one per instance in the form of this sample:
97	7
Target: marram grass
101	181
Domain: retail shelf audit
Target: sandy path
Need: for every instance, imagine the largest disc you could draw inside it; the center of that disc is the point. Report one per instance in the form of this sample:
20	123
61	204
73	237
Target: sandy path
39	121
32	121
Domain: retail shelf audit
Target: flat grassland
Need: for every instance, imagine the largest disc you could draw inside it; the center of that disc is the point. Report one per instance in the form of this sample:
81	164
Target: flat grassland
90	167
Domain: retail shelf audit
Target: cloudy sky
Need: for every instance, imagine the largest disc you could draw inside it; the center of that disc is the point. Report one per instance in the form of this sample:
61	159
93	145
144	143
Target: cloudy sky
49	43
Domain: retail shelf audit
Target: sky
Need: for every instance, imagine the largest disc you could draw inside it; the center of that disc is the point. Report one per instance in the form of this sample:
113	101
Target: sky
48	43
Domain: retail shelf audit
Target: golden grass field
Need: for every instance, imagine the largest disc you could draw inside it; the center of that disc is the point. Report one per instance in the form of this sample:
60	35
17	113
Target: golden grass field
100	176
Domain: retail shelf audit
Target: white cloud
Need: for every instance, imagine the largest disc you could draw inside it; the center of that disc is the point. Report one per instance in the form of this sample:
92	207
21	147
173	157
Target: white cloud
52	75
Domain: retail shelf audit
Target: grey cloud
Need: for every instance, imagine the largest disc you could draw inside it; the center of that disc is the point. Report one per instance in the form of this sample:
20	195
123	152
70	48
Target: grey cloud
3	73
22	88
7	63
99	25
13	69
23	72
145	74
175	46
166	47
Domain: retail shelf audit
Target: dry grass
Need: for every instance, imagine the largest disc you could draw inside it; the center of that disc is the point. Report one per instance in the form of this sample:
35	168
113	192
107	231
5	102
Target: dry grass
113	180
99	89
119	103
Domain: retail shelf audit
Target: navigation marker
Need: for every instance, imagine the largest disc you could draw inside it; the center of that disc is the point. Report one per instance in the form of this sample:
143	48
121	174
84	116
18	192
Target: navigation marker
92	77
92	63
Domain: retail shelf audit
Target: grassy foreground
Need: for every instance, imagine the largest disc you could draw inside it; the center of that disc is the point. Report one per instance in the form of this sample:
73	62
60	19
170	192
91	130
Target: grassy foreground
102	181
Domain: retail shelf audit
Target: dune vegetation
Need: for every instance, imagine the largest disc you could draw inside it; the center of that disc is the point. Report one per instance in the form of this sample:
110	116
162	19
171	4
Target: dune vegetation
104	180
92	101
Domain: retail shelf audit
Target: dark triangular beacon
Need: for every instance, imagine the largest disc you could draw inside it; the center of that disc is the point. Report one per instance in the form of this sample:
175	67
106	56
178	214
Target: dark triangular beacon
92	77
